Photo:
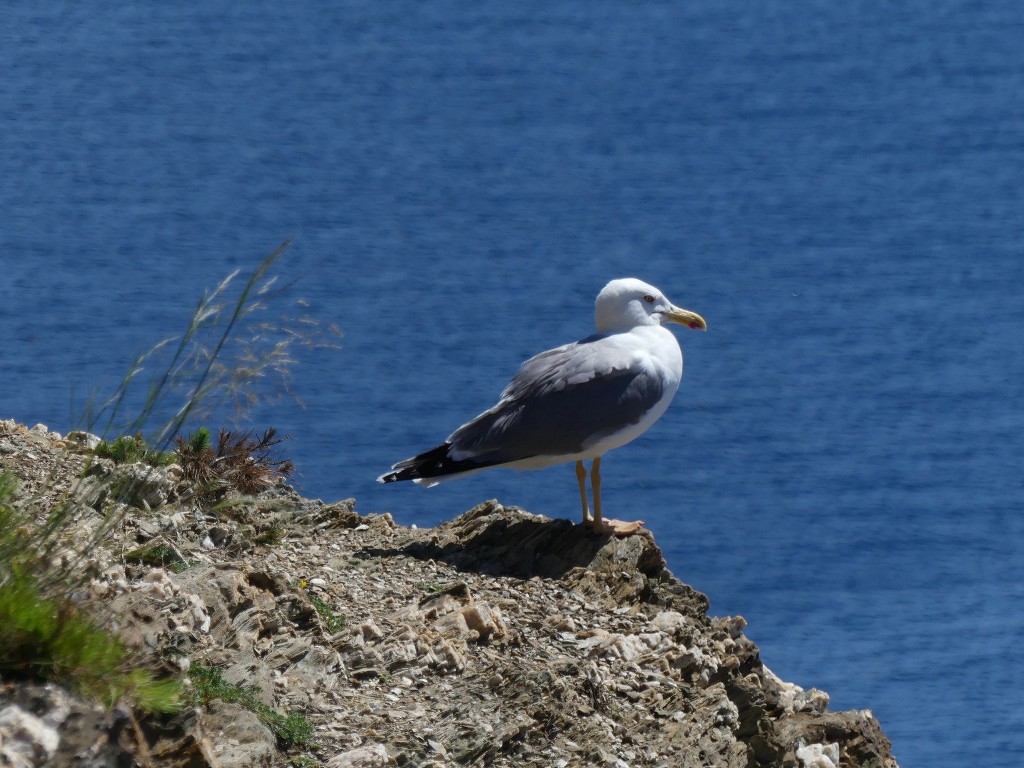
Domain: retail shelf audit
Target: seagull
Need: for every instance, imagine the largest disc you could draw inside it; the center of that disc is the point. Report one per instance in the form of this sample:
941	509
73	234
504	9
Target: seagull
576	402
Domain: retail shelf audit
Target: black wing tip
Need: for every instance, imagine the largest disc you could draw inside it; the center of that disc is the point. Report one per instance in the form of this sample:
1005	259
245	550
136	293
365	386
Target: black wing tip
427	464
402	474
433	463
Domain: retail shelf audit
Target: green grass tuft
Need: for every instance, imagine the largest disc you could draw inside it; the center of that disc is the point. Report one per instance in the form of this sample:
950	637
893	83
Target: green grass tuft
334	622
292	729
270	537
129	449
48	638
198	441
158	556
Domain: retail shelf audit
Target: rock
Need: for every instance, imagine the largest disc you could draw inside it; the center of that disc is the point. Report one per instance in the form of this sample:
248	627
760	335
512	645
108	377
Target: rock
145	487
83	441
24	738
43	724
500	638
669	621
818	755
486	621
361	757
236	737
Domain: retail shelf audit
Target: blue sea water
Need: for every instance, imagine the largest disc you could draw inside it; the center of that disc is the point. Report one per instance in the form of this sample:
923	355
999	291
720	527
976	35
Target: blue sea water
837	187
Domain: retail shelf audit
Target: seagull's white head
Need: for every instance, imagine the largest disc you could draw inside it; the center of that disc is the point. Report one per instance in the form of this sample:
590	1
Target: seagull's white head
627	302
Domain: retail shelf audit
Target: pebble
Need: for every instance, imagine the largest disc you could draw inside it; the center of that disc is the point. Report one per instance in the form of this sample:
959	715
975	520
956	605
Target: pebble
24	736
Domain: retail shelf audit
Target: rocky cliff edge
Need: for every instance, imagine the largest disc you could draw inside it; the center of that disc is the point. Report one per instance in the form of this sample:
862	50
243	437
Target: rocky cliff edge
500	638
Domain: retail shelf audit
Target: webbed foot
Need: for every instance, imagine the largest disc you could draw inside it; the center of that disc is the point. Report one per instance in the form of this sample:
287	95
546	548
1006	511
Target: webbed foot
619	528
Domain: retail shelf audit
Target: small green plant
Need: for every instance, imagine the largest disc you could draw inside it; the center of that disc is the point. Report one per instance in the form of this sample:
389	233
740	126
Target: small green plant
334	622
208	683
46	636
129	449
270	537
293	729
304	761
158	556
197	442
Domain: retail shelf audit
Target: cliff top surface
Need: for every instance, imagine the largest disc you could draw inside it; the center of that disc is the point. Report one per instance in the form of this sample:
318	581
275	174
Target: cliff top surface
500	638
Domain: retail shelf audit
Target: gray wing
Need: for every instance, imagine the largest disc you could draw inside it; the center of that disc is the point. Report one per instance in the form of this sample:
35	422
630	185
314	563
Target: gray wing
560	402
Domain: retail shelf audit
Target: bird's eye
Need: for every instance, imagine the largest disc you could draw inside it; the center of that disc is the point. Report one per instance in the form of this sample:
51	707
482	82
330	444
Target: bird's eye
649	299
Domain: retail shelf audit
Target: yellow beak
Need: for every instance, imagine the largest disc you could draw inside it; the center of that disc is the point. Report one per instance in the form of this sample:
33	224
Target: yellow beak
687	318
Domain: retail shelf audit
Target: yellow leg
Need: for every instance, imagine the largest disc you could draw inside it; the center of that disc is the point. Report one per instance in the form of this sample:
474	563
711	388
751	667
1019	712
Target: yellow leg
600	525
581	478
595	484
